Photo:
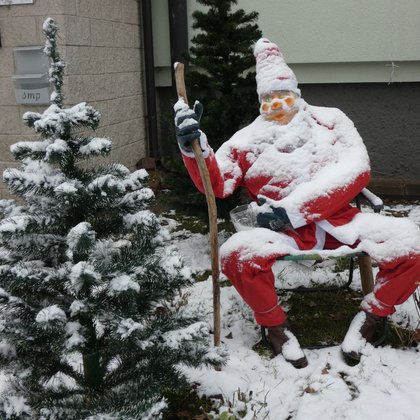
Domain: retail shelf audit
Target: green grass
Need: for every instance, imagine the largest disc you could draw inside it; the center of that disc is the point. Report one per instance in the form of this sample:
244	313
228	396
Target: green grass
187	405
319	318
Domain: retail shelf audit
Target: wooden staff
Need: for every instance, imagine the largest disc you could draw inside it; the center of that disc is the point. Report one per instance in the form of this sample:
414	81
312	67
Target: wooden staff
211	205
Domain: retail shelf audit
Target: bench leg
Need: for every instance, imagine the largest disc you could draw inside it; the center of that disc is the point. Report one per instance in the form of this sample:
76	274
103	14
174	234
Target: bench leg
366	275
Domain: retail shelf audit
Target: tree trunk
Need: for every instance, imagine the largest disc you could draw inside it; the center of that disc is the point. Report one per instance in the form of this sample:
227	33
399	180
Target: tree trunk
92	370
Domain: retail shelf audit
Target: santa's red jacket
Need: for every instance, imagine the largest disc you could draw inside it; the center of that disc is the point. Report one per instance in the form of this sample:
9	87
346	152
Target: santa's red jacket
314	166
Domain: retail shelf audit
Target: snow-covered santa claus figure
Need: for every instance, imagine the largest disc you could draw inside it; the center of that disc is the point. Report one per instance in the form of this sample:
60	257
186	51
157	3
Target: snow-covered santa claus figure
301	166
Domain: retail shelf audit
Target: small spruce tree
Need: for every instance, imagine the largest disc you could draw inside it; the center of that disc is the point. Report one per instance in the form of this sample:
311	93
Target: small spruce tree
92	321
224	80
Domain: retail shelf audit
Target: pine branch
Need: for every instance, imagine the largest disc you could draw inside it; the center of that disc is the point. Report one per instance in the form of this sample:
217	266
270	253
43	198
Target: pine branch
56	71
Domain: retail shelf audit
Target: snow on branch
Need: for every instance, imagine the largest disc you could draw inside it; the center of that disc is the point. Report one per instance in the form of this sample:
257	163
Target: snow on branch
95	147
142	218
106	184
83	274
50	314
56	121
127	326
80	239
34	175
56	70
175	339
33	149
123	283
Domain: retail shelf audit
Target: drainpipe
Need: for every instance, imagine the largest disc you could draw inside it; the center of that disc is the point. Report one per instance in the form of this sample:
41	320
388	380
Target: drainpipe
178	32
145	16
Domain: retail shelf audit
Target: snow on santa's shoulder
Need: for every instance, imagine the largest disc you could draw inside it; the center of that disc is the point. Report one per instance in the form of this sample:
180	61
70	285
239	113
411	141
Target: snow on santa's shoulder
305	152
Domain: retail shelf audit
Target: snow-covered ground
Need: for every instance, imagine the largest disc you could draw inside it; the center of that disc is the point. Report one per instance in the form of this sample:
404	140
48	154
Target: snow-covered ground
384	385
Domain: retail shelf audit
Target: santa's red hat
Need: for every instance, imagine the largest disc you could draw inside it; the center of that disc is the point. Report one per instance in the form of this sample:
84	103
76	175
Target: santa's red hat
273	74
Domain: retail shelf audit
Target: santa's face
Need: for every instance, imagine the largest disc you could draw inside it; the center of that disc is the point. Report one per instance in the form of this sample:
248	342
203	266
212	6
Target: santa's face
279	106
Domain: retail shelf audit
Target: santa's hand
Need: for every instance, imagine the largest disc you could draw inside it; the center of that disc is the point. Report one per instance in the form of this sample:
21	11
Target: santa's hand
271	217
187	127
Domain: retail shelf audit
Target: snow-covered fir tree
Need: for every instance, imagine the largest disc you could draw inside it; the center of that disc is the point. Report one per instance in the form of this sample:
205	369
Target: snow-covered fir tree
222	56
92	320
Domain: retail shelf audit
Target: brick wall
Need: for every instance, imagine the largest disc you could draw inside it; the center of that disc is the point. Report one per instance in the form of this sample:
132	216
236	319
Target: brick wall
99	41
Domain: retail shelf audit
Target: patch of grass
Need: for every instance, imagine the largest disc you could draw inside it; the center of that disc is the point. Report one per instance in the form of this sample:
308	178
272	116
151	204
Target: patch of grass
342	264
323	318
191	223
187	405
320	318
401	337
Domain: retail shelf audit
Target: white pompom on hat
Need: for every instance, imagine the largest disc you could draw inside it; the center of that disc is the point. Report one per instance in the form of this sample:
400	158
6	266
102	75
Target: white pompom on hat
273	74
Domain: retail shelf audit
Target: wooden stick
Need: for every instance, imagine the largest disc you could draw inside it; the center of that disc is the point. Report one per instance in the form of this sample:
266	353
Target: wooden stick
212	209
366	275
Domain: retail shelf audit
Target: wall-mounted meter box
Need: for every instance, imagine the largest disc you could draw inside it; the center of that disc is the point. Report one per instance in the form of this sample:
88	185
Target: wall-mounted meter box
31	79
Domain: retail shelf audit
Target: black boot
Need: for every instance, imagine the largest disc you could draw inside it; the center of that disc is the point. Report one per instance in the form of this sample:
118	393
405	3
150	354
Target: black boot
285	343
361	331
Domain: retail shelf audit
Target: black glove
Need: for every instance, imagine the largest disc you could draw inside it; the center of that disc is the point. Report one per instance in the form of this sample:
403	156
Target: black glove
187	126
276	219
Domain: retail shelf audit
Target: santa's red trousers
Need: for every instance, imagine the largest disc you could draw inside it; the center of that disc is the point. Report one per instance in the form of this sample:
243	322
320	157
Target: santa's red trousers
396	281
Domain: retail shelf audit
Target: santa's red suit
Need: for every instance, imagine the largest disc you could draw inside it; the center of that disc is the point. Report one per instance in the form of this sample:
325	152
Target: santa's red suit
312	167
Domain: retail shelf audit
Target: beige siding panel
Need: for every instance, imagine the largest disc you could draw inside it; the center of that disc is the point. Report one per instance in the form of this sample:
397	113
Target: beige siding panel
6	62
100	60
102	87
130	11
102	33
130	154
126	36
100	9
123	133
5	143
7	96
12	34
10	122
126	108
77	30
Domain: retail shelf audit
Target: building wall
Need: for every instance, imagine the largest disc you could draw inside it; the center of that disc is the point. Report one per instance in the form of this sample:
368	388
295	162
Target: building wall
99	41
324	41
386	117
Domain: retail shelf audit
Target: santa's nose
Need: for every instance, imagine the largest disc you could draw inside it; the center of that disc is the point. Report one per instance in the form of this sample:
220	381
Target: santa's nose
276	105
